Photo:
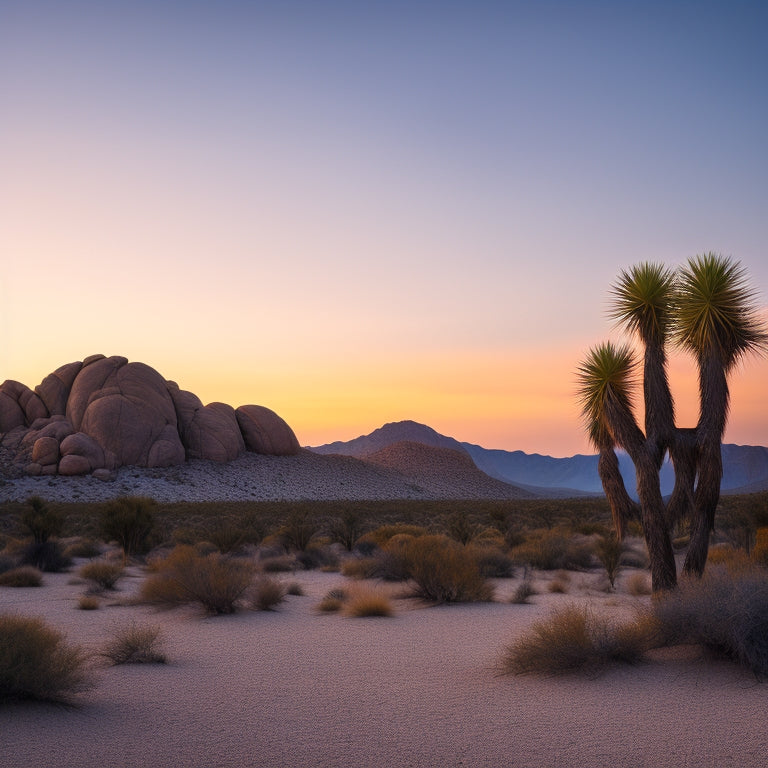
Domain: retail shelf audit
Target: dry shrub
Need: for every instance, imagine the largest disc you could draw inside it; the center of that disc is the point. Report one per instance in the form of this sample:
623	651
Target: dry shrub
491	559
733	558
574	639
103	574
23	576
278	564
725	611
444	571
560	584
88	603
524	590
82	547
215	581
364	600
609	549
295	589
360	567
130	521
333	601
639	584
553	550
760	551
135	644
46	555
265	593
381	535
36	662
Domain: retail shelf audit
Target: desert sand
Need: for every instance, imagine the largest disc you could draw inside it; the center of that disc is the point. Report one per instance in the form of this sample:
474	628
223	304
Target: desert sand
293	687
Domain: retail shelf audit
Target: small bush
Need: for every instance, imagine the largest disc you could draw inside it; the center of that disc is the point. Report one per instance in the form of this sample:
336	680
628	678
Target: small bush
36	662
130	521
760	551
524	590
552	551
135	644
573	639
88	603
299	529
733	558
103	574
48	556
82	547
444	571
23	576
215	581
278	564
266	593
461	528
492	561
724	611
333	601
559	585
295	589
41	521
381	535
347	529
360	567
608	550
365	601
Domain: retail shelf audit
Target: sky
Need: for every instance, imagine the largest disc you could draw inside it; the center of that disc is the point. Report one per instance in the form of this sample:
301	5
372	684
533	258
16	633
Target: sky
357	213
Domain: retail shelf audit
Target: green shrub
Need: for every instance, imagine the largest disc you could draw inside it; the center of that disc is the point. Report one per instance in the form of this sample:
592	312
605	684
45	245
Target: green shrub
41	521
215	581
443	571
575	639
130	521
36	663
135	644
103	574
23	576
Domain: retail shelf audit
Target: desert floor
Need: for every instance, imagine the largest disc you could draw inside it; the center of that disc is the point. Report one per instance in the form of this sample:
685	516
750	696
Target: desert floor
293	687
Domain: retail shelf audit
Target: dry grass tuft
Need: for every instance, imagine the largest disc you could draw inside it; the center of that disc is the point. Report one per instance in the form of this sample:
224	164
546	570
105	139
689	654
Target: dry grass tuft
639	584
363	600
103	574
36	663
333	601
215	581
23	576
88	603
266	593
135	644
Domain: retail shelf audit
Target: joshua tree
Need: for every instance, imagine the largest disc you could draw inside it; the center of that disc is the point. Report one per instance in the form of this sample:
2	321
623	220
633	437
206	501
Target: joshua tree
706	308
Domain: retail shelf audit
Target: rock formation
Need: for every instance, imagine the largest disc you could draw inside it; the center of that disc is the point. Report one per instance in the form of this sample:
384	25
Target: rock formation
105	412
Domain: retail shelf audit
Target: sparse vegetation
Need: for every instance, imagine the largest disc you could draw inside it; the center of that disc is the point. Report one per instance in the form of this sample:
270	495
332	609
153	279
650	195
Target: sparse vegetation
266	593
23	576
103	574
37	663
130	521
135	644
609	550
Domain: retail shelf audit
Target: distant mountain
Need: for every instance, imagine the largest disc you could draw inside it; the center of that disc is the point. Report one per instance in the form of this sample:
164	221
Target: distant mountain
745	467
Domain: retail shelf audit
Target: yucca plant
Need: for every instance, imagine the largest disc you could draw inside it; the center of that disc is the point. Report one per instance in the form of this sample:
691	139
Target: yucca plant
708	309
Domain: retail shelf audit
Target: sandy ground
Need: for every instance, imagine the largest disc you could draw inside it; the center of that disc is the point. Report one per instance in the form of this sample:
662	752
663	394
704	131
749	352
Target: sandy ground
296	688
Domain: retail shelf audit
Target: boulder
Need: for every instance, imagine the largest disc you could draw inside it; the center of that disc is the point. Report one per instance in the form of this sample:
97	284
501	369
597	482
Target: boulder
19	405
45	451
265	432
127	409
55	387
80	454
207	432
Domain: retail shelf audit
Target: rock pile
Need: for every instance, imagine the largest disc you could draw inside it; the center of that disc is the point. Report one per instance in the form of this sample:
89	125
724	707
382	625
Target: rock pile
104	412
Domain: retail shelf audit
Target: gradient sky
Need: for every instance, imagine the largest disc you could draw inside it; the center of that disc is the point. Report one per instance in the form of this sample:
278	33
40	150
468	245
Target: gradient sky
362	212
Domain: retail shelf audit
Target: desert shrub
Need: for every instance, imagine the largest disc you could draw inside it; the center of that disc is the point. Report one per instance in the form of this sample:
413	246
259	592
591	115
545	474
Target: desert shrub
215	581
524	590
560	584
360	567
726	612
228	536
23	576
265	593
8	562
608	550
552	551
366	601
295	589
733	558
37	663
82	547
460	527
135	644
347	528
639	584
492	561
88	603
381	535
130	521
760	551
443	571
634	557
103	574
40	520
332	601
574	639
47	555
317	555
278	564
299	529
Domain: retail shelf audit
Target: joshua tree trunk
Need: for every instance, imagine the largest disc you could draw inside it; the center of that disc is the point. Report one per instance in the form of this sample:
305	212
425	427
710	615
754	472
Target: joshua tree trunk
622	506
